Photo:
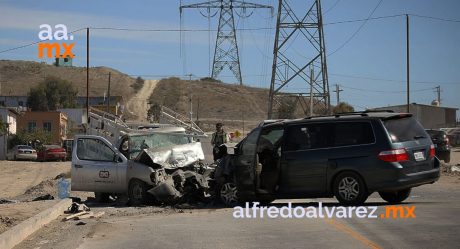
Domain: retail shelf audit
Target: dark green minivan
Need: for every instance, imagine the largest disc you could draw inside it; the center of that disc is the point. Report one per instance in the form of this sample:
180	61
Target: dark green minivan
348	156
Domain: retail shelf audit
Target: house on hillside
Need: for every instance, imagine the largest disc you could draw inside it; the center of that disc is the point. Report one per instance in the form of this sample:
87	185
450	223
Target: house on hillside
54	122
8	116
430	116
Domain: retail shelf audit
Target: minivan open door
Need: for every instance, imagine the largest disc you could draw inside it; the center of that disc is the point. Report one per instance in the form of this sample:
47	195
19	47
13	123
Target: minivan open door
246	163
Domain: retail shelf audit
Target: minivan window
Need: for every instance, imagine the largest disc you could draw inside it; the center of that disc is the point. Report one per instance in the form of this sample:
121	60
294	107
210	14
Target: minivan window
248	145
353	133
308	136
404	129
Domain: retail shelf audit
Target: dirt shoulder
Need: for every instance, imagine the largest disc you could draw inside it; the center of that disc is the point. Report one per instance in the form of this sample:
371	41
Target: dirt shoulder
20	183
18	176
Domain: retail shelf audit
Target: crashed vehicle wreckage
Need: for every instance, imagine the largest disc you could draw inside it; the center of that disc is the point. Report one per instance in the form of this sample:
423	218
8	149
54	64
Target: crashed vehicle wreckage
169	174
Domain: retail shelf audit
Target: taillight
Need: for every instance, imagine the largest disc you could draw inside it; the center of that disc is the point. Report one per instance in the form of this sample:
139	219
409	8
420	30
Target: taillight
432	151
397	155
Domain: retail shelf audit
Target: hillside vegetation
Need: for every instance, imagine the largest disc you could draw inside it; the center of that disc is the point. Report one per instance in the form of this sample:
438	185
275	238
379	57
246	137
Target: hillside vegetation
17	77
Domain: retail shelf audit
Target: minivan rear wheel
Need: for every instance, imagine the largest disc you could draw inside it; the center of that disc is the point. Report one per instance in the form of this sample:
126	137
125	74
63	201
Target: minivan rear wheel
349	189
395	197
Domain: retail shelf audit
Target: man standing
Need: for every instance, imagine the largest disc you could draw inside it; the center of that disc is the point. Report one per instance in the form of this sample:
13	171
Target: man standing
218	138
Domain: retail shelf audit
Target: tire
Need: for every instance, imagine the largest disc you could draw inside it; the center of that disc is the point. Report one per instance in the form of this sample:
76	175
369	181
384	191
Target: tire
137	192
349	189
102	197
228	194
395	196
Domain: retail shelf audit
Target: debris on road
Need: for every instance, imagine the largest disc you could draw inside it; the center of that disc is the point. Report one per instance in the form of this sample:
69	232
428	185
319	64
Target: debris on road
450	170
44	198
5	201
73	216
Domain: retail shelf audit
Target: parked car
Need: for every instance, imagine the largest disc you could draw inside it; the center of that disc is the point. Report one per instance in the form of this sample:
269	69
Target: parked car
441	144
348	156
67	145
22	152
51	153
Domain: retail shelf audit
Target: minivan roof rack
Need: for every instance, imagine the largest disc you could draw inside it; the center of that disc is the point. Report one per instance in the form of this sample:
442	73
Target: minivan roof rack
362	113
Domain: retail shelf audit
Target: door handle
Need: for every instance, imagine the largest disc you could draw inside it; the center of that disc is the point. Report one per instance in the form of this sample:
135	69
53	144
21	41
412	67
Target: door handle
78	166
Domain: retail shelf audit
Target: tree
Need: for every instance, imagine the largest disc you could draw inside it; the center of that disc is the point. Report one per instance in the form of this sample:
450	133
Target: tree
138	84
35	137
343	107
287	108
3	127
51	94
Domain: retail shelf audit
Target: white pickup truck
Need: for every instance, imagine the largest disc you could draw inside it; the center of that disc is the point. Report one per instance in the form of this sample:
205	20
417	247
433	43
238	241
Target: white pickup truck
152	167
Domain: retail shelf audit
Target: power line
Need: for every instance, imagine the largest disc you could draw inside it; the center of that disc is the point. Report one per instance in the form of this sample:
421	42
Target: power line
250	29
332	7
435	18
357	31
382	91
33	43
390	80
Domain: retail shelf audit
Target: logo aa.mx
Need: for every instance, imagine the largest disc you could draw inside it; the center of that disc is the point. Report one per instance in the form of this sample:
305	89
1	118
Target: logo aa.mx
60	34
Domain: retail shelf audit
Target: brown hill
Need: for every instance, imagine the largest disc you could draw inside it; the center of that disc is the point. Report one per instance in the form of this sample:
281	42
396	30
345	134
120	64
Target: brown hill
213	101
17	77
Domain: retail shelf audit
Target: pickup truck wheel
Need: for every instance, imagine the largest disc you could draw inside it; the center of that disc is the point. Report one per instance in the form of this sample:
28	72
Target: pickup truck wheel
102	197
395	196
228	194
137	192
349	189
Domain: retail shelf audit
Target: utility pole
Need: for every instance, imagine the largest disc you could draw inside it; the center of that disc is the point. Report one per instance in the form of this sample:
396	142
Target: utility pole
337	91
190	99
108	95
312	76
407	63
305	27
438	91
226	53
87	75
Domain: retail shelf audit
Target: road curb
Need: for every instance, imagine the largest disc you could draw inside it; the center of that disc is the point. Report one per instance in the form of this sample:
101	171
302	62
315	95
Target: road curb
18	233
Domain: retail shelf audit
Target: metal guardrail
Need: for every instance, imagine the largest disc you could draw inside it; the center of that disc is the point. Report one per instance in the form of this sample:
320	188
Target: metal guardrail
179	119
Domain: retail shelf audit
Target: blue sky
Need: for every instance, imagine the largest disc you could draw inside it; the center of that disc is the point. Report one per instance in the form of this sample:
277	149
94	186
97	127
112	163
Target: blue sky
370	68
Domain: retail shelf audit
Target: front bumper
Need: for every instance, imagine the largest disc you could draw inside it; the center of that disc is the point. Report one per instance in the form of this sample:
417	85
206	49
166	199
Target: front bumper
26	156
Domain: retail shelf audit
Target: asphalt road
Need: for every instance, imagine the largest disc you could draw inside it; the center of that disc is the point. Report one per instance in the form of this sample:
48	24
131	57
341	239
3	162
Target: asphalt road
436	225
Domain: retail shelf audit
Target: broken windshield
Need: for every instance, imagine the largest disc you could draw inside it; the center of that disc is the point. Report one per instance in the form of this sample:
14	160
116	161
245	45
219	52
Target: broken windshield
155	140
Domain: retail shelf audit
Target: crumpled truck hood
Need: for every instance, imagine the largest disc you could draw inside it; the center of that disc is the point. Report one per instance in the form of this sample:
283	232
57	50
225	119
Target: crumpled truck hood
176	156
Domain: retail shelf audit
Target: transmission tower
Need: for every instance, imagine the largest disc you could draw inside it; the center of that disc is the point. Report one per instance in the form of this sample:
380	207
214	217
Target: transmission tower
307	70
226	50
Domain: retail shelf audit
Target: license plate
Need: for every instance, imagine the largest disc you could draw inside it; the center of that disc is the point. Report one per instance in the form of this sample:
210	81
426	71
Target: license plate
419	156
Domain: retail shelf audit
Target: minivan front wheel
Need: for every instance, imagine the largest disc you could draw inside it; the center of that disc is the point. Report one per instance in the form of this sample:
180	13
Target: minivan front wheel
229	194
349	189
395	197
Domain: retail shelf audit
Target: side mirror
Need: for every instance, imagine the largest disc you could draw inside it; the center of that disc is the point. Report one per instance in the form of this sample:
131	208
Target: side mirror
117	158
